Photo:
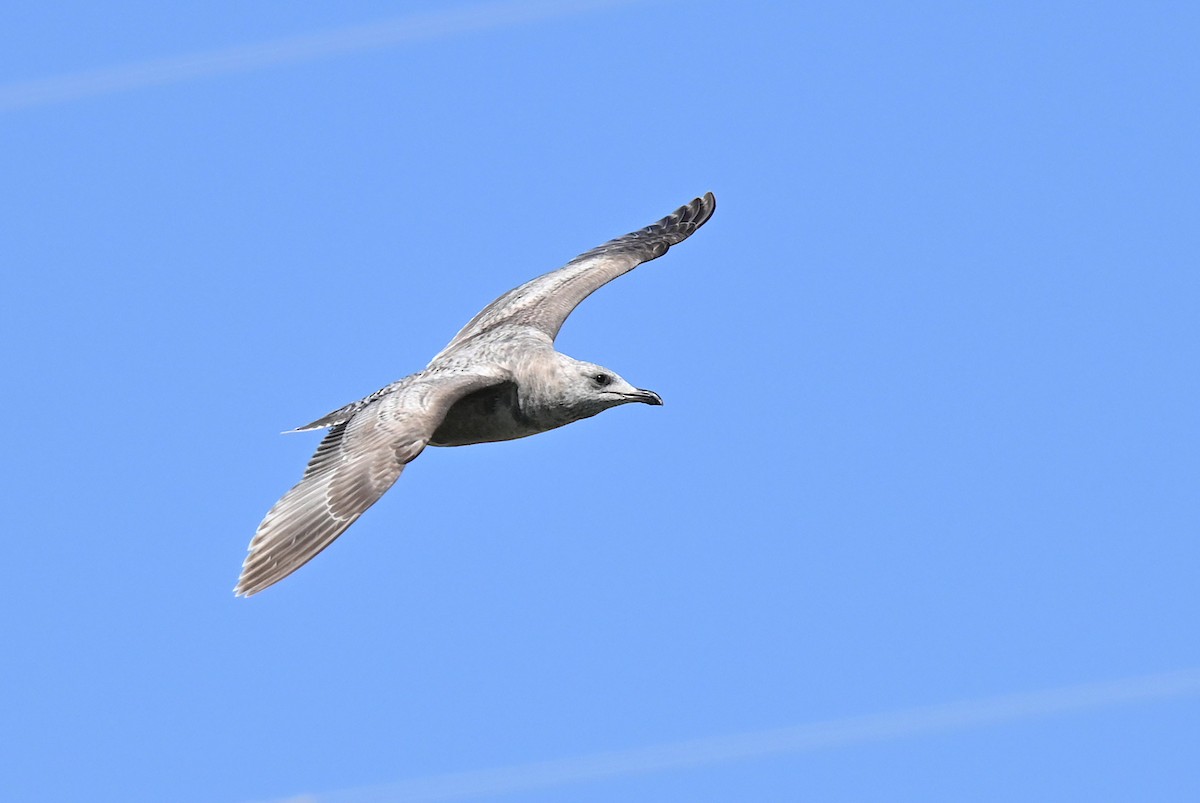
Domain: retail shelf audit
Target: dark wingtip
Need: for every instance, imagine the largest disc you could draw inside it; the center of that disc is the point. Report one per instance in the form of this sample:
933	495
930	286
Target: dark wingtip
683	222
696	212
706	205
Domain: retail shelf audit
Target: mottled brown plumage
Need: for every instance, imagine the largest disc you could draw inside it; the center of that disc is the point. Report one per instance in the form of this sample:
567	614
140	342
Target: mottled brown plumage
498	379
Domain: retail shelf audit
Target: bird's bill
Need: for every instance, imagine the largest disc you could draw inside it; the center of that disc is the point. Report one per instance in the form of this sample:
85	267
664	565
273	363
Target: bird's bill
645	397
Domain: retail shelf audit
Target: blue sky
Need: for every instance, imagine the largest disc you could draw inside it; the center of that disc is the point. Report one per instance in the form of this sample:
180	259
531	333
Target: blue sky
931	430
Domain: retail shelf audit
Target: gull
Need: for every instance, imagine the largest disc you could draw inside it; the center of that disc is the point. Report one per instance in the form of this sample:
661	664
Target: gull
498	379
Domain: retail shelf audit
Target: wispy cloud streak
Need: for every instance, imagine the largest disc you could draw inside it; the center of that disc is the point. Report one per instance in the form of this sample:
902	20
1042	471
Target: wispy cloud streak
291	50
814	736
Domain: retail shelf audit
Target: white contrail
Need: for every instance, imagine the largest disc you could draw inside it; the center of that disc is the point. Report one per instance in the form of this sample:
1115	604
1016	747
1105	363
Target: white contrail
61	88
831	733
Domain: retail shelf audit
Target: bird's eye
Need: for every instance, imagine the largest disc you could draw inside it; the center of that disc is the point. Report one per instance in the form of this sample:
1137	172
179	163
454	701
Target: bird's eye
602	379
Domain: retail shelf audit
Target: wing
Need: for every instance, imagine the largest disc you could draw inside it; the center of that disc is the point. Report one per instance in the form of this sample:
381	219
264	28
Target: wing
356	462
545	302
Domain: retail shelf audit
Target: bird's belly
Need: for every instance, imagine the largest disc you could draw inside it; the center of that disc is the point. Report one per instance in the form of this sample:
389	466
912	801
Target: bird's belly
487	415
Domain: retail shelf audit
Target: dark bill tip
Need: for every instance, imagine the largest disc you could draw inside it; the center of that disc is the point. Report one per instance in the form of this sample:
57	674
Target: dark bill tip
647	397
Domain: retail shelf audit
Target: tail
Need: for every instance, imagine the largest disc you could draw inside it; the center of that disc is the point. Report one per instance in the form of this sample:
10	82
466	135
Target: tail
338	416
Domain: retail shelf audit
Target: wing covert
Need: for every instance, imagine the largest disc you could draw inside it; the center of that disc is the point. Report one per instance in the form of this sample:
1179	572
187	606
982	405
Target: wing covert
545	302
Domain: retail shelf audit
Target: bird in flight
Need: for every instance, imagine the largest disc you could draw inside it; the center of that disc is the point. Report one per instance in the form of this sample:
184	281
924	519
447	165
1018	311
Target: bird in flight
498	379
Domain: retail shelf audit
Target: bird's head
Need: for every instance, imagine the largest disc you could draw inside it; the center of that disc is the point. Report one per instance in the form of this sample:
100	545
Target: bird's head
589	389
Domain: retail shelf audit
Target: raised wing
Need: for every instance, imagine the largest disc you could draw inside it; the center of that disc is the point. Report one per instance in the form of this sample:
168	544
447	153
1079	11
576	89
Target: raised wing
357	461
545	302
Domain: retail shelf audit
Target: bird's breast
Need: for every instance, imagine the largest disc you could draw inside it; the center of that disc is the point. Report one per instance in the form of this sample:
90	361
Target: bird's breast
491	414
